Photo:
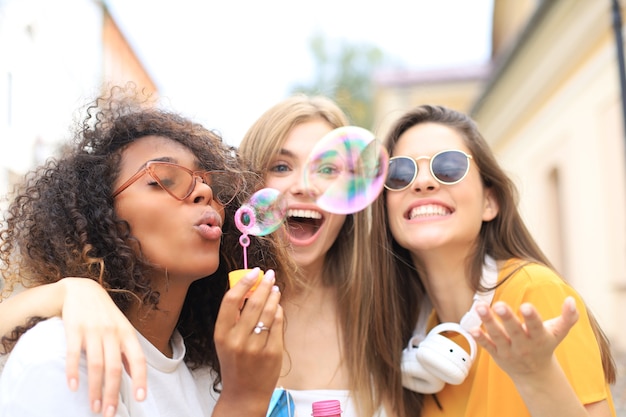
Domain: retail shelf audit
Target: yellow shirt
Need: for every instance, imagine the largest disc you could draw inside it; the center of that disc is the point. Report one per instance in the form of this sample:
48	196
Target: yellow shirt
488	391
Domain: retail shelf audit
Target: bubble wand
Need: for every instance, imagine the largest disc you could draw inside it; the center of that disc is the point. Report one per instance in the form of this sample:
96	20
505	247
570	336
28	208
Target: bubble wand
245	220
260	216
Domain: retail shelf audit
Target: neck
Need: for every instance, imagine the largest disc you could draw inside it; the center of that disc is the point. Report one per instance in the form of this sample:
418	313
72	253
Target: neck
313	296
158	326
441	272
313	272
311	277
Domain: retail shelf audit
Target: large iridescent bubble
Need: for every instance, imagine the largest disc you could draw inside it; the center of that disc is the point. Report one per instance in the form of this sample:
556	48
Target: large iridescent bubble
263	213
346	170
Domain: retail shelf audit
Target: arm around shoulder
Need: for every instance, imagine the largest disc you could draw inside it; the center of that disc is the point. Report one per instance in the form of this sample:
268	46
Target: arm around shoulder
42	301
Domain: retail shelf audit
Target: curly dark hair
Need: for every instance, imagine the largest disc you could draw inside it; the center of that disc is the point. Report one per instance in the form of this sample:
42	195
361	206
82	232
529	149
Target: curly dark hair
61	221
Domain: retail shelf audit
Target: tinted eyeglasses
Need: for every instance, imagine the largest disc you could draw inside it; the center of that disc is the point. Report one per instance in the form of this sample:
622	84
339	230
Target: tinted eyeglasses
179	181
448	167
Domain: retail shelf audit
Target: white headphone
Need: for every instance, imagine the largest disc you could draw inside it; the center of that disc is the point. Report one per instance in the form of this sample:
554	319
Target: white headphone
430	361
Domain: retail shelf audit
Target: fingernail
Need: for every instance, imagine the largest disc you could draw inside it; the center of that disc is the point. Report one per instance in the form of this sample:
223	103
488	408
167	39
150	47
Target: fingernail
73	384
572	304
110	411
275	288
526	309
499	309
95	407
481	310
270	276
252	275
140	395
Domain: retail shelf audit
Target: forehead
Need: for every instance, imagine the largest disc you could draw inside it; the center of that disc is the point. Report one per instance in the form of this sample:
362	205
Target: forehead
301	138
426	139
150	148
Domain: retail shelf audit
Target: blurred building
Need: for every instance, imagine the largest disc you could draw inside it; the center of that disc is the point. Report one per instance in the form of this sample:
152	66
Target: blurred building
56	56
549	102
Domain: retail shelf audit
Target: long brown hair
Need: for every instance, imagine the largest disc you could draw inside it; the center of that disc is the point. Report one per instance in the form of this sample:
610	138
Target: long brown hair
361	296
504	237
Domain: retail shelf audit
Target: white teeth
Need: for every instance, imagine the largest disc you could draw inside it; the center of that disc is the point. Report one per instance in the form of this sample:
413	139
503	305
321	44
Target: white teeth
308	214
428	210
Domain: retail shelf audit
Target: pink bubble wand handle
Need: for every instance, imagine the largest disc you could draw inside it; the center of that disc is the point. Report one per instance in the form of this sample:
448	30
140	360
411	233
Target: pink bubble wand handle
244	241
245	221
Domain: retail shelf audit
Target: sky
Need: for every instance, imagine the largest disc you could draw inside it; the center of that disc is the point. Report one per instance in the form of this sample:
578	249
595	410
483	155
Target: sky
223	63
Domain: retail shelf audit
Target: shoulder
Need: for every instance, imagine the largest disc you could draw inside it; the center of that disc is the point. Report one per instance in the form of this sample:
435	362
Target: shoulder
517	275
34	381
522	281
530	270
43	341
42	344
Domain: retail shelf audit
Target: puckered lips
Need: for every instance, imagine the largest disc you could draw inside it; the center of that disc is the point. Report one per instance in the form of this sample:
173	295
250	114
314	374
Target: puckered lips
210	225
303	225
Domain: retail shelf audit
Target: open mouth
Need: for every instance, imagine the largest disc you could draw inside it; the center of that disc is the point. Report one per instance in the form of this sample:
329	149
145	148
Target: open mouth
303	224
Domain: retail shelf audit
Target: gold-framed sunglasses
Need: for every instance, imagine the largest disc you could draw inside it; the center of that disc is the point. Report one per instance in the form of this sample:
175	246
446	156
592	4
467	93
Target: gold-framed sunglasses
179	181
447	167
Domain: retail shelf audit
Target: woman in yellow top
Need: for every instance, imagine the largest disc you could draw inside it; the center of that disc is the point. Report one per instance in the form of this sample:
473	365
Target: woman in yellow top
449	220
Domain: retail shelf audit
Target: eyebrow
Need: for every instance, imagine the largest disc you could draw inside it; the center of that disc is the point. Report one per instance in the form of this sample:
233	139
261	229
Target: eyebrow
164	159
286	152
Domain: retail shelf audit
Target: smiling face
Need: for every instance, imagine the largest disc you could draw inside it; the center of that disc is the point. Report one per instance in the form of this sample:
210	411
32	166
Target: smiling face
311	231
428	215
181	237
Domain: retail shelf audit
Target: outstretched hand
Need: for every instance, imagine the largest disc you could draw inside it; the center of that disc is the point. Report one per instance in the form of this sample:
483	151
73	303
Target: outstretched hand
94	324
522	349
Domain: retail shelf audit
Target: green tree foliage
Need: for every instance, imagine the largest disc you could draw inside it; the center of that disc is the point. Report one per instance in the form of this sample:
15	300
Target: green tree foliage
343	72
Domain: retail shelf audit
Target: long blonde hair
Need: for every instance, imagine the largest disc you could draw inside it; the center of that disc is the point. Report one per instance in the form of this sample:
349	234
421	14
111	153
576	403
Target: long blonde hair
361	297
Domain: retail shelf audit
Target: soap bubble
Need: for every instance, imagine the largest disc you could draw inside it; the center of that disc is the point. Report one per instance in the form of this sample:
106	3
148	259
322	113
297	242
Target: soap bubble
346	170
263	213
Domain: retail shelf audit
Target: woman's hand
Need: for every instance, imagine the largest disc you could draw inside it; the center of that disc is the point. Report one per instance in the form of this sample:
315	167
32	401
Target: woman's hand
94	324
522	349
525	351
249	343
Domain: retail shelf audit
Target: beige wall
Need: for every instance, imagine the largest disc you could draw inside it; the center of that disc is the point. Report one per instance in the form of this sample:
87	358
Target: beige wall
509	18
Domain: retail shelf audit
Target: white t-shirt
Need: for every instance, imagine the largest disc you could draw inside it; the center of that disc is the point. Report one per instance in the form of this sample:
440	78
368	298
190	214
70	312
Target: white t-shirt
34	384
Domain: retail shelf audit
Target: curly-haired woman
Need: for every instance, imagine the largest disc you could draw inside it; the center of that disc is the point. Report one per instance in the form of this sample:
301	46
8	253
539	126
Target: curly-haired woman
139	204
